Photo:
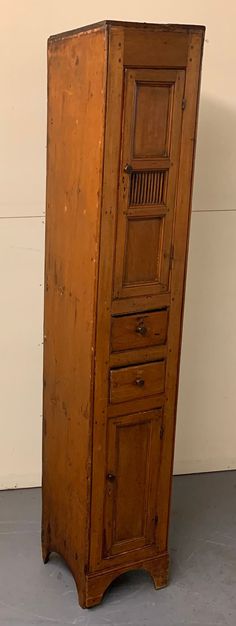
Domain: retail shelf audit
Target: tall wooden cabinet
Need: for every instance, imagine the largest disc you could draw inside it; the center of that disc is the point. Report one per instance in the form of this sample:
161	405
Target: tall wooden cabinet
122	110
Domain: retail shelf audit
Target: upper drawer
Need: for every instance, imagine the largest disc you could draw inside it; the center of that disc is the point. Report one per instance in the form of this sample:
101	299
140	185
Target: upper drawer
137	381
138	331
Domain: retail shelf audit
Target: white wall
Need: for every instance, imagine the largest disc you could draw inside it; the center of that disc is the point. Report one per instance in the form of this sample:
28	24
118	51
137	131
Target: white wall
206	431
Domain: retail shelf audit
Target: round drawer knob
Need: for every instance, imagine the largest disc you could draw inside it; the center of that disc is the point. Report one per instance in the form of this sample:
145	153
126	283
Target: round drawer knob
139	382
141	330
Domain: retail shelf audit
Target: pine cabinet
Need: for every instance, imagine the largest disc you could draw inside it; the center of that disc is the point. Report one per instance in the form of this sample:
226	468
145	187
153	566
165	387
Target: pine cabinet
122	111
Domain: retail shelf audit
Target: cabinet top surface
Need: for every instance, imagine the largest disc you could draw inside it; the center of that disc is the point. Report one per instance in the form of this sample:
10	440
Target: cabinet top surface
106	23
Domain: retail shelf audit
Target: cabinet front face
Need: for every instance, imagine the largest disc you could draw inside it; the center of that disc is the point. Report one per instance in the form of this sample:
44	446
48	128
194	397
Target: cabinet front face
150	146
133	460
130	525
149	141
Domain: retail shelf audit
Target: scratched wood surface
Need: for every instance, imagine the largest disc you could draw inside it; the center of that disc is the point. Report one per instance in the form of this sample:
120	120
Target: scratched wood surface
76	104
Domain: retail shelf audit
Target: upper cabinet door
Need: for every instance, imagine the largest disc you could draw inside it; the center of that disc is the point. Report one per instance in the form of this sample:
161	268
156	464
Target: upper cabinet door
150	147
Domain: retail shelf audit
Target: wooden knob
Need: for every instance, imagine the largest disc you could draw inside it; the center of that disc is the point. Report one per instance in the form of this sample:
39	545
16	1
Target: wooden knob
111	477
139	382
128	168
141	329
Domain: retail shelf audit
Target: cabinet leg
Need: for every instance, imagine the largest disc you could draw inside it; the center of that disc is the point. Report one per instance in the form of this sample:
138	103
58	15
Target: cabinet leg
81	590
159	571
45	553
160	580
98	583
96	586
92	587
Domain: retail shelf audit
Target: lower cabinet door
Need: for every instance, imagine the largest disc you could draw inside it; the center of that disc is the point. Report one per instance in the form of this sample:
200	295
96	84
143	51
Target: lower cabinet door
133	462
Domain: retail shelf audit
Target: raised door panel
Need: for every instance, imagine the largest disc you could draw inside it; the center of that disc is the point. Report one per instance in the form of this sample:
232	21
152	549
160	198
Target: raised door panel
139	266
152	117
133	459
152	120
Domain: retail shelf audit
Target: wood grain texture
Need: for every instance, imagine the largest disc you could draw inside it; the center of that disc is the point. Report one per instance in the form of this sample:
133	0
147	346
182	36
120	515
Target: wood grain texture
120	306
116	250
145	302
166	28
108	224
137	381
97	583
133	461
76	109
169	49
138	331
140	268
139	355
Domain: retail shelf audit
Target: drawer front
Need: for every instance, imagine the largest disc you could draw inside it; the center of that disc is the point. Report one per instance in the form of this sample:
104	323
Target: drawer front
138	331
139	381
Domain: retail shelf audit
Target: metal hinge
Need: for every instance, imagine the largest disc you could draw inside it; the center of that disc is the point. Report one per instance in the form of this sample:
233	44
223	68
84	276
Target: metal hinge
184	102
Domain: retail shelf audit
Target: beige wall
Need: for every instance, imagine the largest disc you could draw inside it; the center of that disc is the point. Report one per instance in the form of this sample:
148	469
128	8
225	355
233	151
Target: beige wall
206	431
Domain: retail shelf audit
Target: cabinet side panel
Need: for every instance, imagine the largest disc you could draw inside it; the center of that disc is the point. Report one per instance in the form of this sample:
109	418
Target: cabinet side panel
76	110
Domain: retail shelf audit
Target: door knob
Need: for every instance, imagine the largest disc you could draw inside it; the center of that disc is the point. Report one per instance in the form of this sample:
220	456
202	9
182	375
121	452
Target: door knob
111	477
128	168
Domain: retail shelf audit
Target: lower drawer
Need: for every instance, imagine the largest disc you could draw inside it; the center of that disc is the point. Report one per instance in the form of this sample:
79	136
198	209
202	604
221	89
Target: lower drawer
137	381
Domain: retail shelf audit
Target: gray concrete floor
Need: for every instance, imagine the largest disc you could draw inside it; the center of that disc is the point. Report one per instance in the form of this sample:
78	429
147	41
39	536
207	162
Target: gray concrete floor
202	589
